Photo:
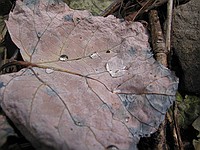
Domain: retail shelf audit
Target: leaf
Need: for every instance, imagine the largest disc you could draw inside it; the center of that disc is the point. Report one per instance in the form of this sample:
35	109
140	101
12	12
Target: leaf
188	110
2	35
5	130
94	6
95	84
196	125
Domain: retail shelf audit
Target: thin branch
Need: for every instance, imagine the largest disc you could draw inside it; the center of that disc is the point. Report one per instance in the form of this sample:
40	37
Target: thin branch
158	41
169	25
112	8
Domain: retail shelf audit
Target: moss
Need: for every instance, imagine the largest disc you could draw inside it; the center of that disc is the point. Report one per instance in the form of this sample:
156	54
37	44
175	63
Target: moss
94	6
188	109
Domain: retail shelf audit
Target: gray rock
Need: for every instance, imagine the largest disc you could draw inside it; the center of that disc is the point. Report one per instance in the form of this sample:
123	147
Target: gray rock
186	36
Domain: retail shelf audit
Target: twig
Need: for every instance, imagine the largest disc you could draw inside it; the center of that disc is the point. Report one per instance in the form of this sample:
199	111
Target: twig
158	41
176	134
169	24
176	131
112	8
160	51
133	15
157	4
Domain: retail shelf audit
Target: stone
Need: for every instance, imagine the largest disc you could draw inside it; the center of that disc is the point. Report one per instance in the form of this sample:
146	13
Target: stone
186	45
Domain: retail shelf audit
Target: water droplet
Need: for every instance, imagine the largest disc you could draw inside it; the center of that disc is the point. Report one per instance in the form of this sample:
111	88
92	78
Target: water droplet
63	58
112	147
116	91
127	119
79	123
94	55
39	34
78	20
49	70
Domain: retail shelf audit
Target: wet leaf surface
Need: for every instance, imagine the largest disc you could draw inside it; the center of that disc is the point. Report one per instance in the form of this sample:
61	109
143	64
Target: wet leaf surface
95	84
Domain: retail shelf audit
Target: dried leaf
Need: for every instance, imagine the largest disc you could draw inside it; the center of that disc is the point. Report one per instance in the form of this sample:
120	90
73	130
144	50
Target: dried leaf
96	84
5	130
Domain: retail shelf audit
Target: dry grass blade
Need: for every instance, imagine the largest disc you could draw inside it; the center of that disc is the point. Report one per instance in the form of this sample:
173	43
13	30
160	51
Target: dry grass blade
112	8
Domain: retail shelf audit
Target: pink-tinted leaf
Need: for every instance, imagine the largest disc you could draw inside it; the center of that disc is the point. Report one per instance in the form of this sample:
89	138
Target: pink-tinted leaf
96	84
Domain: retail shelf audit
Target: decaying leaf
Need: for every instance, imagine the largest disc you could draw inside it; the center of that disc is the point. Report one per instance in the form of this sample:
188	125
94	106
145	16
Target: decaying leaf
5	130
95	84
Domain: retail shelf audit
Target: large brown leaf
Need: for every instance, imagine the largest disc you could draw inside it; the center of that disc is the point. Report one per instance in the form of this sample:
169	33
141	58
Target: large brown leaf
96	84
